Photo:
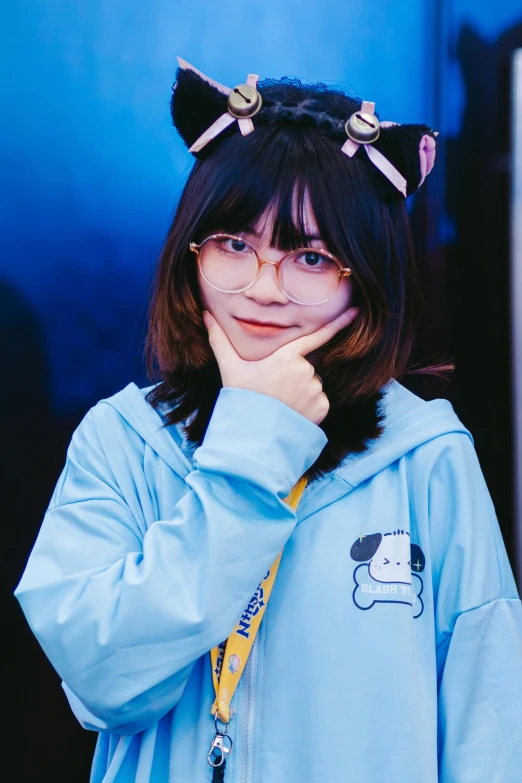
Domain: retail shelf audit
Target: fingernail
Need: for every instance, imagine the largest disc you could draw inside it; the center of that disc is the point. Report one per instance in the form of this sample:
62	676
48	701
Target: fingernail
208	319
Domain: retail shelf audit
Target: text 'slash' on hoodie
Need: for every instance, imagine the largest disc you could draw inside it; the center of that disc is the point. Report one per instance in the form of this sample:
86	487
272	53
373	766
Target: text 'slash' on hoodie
391	648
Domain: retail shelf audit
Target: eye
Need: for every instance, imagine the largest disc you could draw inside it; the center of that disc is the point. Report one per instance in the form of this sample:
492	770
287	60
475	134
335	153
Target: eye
235	245
386	561
314	259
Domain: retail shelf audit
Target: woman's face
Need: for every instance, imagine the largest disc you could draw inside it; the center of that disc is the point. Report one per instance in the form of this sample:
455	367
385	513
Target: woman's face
265	302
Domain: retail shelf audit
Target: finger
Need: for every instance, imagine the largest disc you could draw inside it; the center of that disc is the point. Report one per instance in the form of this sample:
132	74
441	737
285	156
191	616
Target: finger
309	342
224	351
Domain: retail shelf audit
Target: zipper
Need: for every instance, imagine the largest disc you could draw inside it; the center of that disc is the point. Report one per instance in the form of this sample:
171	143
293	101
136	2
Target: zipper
250	681
247	714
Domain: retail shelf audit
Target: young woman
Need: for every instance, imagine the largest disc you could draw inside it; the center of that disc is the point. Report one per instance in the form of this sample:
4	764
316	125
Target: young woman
385	643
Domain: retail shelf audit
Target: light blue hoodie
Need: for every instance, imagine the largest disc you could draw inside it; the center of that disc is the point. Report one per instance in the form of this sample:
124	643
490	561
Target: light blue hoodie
391	649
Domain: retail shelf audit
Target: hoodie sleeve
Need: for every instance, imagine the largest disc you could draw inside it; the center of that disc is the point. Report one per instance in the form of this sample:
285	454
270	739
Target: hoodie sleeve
478	619
123	616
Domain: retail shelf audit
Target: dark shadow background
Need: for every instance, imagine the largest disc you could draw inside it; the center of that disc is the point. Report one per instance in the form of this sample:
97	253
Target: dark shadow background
32	457
466	280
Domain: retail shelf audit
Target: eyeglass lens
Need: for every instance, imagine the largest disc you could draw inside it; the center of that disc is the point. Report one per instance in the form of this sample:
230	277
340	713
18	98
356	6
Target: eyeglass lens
230	264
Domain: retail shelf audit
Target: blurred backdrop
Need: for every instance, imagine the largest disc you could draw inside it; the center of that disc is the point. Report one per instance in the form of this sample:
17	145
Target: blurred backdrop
91	173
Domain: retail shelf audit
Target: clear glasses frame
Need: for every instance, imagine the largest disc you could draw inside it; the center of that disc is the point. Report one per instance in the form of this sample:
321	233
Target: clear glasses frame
343	271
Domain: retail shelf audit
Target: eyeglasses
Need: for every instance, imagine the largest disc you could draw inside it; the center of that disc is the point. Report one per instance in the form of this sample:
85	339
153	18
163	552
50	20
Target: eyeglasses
306	276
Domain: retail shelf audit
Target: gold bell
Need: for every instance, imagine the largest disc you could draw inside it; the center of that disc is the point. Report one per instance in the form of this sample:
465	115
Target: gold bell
363	126
244	101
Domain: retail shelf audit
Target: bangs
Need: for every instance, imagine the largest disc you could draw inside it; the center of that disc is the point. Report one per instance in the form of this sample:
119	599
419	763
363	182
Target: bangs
271	173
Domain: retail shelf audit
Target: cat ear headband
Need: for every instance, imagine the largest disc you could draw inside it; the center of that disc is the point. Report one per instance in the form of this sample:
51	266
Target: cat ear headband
205	111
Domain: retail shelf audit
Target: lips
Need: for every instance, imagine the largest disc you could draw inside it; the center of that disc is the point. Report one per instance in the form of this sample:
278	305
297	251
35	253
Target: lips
261	323
261	328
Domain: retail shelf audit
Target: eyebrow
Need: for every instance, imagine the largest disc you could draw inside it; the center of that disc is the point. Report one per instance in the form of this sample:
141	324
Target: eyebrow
307	237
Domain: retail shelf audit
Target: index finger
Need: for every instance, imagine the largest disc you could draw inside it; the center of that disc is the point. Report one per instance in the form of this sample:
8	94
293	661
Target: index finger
223	349
309	342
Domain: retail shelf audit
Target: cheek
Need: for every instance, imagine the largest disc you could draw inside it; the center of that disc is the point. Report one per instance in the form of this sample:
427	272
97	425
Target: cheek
344	295
221	305
210	298
320	315
204	299
203	291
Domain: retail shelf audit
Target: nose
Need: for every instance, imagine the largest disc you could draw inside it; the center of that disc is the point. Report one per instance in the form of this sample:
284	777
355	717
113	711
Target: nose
266	289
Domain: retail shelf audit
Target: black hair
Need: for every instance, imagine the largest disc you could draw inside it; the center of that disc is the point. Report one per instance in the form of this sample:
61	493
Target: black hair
229	191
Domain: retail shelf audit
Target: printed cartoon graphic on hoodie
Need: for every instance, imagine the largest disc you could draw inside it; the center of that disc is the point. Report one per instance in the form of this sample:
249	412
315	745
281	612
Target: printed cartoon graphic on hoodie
149	553
391	574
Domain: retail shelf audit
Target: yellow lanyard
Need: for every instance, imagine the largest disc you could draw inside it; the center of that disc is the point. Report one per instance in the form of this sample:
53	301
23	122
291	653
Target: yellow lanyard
229	658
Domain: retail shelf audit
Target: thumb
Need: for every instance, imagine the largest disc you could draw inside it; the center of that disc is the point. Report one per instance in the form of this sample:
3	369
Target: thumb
224	351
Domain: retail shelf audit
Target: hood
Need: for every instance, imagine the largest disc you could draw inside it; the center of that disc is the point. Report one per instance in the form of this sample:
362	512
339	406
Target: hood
408	422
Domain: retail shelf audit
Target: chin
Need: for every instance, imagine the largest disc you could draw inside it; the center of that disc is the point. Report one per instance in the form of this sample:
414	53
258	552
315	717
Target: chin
255	350
254	353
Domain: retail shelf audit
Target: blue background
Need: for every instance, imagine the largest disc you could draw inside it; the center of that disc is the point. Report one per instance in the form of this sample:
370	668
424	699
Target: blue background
92	167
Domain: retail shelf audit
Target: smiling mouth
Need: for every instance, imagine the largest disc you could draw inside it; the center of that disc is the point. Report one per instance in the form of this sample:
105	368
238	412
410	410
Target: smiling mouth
260	327
261	323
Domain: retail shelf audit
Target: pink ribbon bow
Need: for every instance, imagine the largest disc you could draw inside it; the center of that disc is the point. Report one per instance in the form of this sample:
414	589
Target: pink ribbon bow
246	125
350	147
427	148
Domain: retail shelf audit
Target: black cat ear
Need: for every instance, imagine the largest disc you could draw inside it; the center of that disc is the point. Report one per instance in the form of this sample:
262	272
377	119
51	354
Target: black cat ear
404	154
411	149
203	109
196	102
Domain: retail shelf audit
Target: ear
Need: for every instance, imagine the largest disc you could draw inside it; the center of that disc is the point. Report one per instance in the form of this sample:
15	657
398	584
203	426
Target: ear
365	547
411	149
196	103
418	561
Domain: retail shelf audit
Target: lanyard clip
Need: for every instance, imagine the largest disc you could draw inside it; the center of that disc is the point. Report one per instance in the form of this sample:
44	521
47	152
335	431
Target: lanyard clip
221	746
220	749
